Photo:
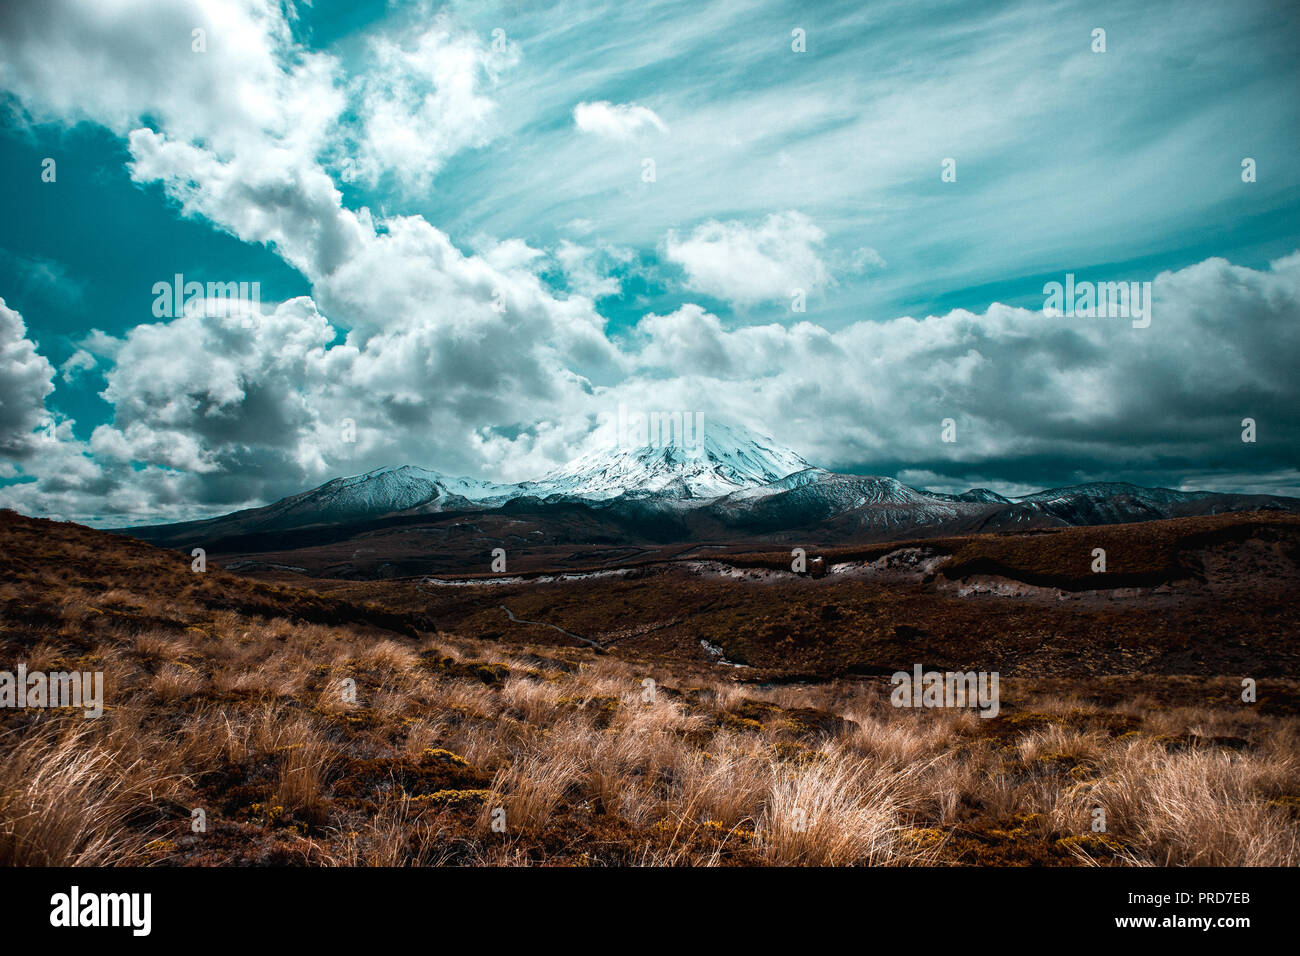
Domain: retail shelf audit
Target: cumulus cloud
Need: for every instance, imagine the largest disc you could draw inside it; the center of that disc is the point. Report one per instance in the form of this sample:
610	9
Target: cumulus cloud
26	378
77	364
272	194
689	340
251	80
1032	396
239	415
439	342
745	264
618	121
588	269
471	364
422	100
233	398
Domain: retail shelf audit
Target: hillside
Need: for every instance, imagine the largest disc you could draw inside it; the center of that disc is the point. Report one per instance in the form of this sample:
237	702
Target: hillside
227	694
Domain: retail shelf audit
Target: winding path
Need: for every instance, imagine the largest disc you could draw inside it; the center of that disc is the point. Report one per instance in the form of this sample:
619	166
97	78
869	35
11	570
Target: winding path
554	627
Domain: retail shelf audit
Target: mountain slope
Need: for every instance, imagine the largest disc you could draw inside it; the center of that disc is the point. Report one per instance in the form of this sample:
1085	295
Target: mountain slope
376	493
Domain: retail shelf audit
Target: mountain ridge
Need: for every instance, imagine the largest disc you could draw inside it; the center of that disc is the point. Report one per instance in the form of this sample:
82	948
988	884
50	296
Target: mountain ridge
732	481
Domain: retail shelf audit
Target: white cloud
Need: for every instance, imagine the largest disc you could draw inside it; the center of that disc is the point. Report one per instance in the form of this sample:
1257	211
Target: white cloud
588	269
208	415
220	415
114	63
227	393
862	133
749	264
689	341
421	100
268	193
1086	396
620	121
580	227
25	380
76	364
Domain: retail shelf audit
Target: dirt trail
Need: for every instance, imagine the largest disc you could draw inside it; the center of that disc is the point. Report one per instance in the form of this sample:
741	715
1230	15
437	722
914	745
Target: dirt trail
554	627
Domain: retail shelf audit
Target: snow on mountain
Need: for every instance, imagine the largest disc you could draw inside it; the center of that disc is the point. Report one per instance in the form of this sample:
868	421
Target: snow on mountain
820	495
808	476
1113	489
378	492
734	476
728	459
983	494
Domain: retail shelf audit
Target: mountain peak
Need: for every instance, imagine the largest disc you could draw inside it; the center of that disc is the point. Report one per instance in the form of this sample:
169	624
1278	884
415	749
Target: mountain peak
686	456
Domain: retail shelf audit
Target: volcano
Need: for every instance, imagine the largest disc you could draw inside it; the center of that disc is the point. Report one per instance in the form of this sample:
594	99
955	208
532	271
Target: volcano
730	484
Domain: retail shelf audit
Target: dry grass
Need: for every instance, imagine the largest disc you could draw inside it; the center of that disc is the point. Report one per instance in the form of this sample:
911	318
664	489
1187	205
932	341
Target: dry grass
1199	807
306	755
834	812
65	800
241	714
681	780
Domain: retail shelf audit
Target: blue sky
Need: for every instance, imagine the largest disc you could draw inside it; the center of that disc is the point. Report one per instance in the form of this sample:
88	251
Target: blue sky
387	172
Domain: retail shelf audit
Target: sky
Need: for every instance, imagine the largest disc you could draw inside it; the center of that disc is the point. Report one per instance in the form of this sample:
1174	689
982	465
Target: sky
477	229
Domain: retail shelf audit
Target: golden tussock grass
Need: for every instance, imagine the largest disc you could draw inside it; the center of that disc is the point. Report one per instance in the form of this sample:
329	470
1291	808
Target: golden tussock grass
247	715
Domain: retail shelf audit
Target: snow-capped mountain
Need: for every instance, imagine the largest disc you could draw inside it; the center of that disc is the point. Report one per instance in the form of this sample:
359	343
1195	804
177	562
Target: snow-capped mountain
374	494
732	481
728	458
382	491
